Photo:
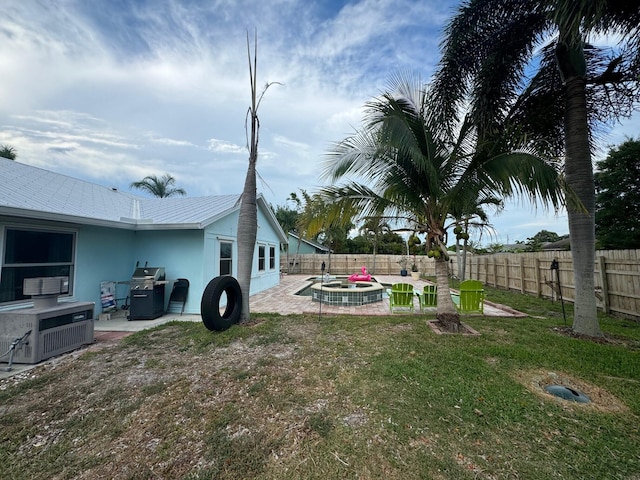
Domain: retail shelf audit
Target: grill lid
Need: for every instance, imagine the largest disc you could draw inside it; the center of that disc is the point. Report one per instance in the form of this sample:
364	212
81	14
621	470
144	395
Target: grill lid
148	273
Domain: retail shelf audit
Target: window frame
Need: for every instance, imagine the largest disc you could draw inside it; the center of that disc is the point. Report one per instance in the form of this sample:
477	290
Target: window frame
227	260
272	257
262	258
43	265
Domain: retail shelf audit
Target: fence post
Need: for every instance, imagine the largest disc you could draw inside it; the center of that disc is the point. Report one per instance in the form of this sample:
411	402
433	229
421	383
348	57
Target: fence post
495	271
486	270
602	264
522	289
506	273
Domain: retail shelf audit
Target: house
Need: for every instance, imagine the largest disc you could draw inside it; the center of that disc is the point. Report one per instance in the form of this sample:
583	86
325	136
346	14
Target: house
297	246
301	246
55	225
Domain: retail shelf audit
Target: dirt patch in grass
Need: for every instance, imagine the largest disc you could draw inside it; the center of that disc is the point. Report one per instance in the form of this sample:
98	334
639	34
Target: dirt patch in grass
605	339
401	327
601	399
465	330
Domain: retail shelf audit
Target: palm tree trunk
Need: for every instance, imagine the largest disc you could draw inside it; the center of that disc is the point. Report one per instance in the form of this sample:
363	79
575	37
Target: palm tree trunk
247	233
458	255
447	313
579	175
374	256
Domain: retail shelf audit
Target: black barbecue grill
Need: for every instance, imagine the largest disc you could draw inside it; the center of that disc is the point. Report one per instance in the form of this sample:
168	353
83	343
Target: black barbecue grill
146	294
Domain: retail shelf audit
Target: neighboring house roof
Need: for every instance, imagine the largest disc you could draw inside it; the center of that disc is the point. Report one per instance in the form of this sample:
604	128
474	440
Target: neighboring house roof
513	247
315	245
562	244
32	192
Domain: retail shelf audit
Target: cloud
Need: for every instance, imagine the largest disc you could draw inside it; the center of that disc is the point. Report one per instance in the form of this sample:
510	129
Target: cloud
170	141
220	146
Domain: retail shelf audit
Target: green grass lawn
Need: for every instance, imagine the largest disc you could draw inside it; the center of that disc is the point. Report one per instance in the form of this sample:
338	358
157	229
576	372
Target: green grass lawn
334	397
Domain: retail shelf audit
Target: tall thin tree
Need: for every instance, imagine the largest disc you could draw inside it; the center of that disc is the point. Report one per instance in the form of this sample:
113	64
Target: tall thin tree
248	215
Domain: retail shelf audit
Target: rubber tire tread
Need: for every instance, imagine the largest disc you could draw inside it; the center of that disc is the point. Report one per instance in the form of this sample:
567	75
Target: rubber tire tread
210	304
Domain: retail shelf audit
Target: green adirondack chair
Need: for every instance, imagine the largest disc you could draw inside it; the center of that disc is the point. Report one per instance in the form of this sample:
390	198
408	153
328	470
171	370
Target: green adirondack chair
471	297
401	297
428	297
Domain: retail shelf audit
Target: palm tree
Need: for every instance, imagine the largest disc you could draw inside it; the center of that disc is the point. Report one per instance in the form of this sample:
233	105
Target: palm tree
467	216
471	215
492	47
8	151
374	227
160	187
401	165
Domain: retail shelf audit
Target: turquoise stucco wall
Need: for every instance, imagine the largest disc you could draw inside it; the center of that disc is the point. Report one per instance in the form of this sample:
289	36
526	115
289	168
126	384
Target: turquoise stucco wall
102	254
180	252
224	230
267	237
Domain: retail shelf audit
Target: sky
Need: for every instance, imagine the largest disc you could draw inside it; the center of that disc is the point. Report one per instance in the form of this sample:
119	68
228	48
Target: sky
110	91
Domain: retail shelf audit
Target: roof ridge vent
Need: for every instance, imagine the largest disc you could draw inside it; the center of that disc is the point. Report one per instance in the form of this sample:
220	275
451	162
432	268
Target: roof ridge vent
135	209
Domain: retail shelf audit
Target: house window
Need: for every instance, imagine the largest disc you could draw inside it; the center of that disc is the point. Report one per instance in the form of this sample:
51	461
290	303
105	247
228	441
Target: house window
226	258
261	258
272	258
34	253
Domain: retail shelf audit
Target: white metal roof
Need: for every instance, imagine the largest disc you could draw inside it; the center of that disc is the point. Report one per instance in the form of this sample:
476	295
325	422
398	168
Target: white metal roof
32	192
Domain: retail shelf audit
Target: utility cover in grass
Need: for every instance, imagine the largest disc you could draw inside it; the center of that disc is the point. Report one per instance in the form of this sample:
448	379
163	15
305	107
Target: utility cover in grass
567	393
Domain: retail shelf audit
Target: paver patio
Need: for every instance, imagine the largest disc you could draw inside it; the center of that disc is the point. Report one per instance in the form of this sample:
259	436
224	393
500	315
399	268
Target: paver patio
283	300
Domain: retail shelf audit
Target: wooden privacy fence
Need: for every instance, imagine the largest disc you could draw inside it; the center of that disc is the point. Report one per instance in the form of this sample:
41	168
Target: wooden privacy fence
342	264
616	276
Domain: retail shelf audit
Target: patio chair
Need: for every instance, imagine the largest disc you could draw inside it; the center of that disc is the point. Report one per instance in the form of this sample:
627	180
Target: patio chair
428	297
401	297
471	297
178	296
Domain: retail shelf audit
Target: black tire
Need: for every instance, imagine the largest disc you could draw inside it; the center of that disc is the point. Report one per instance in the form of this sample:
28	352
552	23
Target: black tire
210	304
